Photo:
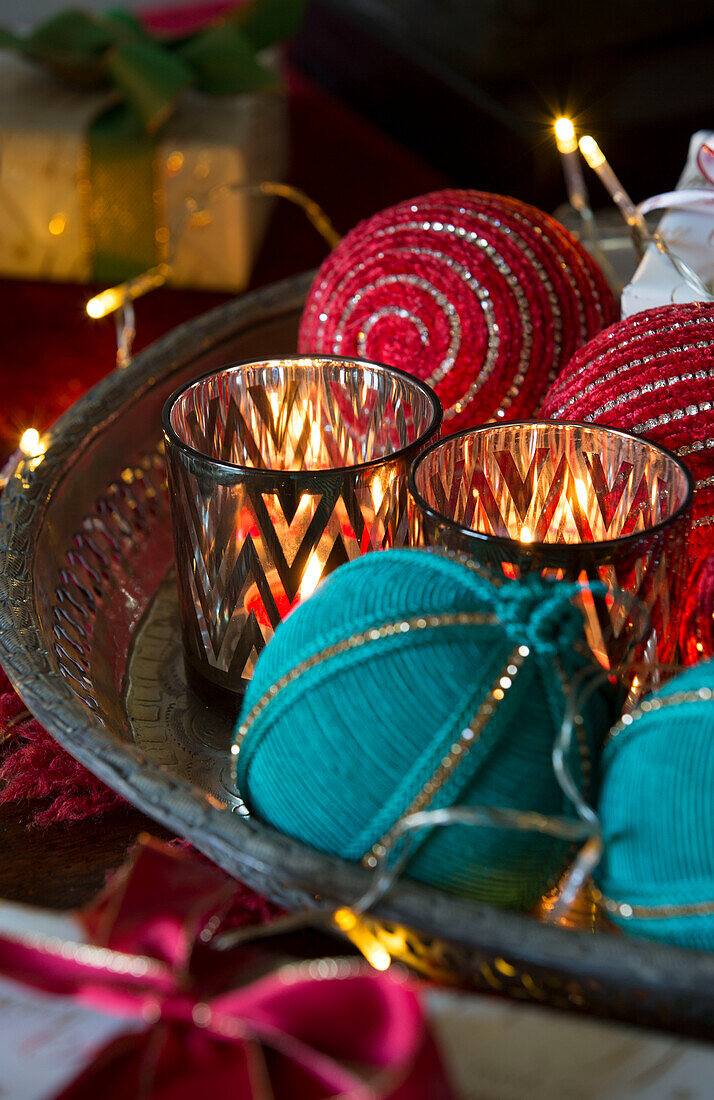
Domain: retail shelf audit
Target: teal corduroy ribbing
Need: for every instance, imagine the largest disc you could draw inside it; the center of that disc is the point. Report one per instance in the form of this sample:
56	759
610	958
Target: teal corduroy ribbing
338	755
657	812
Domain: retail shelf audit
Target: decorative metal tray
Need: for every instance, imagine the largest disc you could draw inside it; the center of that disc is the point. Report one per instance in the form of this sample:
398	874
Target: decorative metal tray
89	636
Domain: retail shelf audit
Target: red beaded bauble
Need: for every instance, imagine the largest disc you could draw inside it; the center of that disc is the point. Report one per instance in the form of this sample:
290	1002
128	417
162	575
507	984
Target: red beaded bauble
481	296
652	374
696	639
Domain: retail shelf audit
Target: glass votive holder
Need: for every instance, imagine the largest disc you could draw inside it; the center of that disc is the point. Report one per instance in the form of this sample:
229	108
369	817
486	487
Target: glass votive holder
279	471
569	500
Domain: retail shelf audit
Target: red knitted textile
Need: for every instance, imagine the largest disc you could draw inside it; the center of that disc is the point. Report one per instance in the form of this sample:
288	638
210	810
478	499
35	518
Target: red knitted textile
652	374
36	769
483	297
697	633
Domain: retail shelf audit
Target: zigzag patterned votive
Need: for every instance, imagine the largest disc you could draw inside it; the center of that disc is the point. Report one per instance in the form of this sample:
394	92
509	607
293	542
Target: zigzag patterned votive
572	500
279	471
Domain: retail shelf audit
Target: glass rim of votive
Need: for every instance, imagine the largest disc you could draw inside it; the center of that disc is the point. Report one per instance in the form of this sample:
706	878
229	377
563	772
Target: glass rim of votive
234	468
563	551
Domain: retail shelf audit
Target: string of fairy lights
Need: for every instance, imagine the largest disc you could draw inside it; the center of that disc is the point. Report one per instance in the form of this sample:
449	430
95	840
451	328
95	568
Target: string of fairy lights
119	299
632	213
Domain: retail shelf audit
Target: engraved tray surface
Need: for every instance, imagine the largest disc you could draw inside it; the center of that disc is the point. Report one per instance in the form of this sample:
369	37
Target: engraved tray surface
89	635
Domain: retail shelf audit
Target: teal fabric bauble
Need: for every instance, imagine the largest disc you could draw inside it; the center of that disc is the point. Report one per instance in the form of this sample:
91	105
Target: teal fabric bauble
657	813
408	668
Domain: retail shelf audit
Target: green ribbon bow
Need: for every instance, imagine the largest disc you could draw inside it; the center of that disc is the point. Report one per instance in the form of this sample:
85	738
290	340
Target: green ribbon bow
147	75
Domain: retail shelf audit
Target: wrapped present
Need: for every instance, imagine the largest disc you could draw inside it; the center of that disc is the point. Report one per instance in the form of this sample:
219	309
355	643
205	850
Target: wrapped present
132	154
125	998
110	1002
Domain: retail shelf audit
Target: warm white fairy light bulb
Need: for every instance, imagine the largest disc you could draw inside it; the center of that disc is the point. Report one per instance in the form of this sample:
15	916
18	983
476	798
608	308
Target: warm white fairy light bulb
567	144
565	136
591	151
31	444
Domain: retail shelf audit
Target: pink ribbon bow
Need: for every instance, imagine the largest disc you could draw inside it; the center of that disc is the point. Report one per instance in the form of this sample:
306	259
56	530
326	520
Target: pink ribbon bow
327	1028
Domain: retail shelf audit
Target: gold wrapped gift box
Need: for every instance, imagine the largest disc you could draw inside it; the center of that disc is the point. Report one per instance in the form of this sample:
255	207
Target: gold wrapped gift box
50	220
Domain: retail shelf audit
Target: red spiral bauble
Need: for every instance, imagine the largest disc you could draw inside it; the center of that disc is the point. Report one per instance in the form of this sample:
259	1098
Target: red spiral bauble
483	297
652	374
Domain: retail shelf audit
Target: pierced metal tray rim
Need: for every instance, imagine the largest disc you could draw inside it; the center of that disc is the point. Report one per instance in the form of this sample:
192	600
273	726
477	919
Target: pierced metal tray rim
287	870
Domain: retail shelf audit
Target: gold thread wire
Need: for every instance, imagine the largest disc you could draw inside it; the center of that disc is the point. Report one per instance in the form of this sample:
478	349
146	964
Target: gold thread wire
111	299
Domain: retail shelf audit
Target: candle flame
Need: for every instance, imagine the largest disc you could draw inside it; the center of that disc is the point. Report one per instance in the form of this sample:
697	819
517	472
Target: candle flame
311	577
526	535
581	493
315	440
591	151
565	135
377	493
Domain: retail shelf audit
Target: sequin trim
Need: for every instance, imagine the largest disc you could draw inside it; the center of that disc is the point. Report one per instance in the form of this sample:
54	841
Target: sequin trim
375	634
484	297
504	269
696	445
648	706
647	387
652	912
391	311
423	284
635	337
458	751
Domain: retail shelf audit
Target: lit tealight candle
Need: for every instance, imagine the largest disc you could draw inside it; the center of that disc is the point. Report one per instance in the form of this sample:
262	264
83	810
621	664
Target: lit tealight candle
578	502
279	471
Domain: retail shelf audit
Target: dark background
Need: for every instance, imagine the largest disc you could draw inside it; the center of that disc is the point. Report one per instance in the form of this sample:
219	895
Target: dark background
473	86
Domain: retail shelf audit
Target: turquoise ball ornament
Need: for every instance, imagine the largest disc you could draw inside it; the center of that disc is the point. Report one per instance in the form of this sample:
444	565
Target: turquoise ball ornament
656	808
410	681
